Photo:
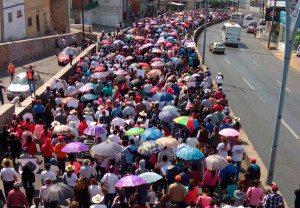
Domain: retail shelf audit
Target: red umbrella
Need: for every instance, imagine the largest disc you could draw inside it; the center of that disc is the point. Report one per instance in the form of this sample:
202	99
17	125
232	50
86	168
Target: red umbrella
155	89
106	43
153	73
99	69
139	38
142	64
176	48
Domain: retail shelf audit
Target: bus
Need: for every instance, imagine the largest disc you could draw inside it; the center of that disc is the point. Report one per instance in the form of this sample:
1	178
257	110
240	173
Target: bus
231	34
237	18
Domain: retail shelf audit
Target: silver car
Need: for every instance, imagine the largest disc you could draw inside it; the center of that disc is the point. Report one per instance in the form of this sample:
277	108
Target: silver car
217	47
19	86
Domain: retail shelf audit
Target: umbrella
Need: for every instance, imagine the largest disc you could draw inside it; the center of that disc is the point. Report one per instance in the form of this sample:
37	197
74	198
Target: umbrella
75	147
173	33
139	38
191	45
189	153
125	47
94	131
155	89
196	75
106	149
170	39
120	79
85	88
120	72
57	192
129	58
61	130
65	100
150	147
130	181
159	30
169	108
229	132
106	43
134	65
151	135
150	177
168	141
156	50
134	131
169	45
88	97
91	85
214	162
142	64
162	97
99	75
157	64
156	59
110	56
187	121
136	82
153	73
175	48
128	36
99	69
168	116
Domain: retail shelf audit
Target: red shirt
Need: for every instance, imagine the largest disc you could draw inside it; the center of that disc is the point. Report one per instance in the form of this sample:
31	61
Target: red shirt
196	176
16	198
219	95
31	126
82	126
31	148
216	106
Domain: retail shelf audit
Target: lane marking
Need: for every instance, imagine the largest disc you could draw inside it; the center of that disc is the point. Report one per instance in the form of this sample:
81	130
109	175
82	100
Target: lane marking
290	129
257	64
227	61
278	82
252	88
243	50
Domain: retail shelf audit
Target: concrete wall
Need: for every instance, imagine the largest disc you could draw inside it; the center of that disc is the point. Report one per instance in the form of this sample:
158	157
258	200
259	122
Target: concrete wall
16	29
87	28
111	12
6	112
23	50
60	15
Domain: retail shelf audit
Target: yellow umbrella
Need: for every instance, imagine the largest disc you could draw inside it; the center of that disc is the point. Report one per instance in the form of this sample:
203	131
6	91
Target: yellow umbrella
168	141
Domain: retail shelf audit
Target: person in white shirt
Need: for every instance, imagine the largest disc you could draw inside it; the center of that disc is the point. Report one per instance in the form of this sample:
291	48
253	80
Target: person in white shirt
114	137
54	168
29	115
238	154
69	177
94	189
9	177
47	174
183	144
111	179
223	148
219	79
192	142
118	121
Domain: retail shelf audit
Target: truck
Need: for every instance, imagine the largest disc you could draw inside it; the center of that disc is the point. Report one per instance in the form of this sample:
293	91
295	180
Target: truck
231	34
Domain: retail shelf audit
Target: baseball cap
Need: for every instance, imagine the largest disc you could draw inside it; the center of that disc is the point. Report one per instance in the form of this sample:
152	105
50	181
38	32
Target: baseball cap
60	138
274	187
52	161
253	160
178	178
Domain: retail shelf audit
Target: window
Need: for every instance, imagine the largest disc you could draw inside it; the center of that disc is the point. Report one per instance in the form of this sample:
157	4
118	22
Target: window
10	19
29	21
19	13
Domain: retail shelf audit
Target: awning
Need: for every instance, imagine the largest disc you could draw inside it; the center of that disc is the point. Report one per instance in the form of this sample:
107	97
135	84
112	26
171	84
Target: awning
176	4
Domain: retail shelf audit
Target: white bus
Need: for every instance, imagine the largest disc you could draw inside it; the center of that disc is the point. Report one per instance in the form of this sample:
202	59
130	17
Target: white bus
231	34
237	18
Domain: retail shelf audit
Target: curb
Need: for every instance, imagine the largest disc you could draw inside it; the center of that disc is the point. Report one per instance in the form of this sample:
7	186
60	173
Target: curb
249	148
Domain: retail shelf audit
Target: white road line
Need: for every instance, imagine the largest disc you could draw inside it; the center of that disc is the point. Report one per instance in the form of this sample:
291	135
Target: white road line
290	91
257	64
290	129
252	88
227	61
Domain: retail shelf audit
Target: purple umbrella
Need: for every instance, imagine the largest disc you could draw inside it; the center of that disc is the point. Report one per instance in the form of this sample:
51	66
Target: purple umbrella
94	130
75	147
85	88
157	64
130	181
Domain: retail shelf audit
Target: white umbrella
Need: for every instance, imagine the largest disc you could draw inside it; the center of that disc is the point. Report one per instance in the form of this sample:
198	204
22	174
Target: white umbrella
150	177
105	149
214	162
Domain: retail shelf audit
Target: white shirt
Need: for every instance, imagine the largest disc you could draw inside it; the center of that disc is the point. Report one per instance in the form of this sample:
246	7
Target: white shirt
117	122
28	115
192	142
219	79
222	151
94	190
8	174
237	153
111	179
98	206
114	138
54	169
47	174
71	181
181	146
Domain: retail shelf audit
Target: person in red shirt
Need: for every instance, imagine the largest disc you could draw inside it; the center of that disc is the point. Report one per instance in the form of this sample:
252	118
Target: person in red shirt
44	135
219	94
60	155
82	126
31	146
30	125
196	175
47	151
16	198
224	101
216	106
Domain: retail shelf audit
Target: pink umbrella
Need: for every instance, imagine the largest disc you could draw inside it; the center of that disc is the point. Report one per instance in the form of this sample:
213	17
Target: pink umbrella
129	58
157	64
85	88
196	75
153	73
169	45
173	33
229	132
120	72
156	50
156	59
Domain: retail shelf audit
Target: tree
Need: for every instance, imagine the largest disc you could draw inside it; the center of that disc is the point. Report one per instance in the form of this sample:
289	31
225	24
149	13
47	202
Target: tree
214	3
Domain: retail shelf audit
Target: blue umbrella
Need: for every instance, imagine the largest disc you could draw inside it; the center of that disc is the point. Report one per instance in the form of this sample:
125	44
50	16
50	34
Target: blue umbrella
162	97
189	153
88	97
169	108
151	134
170	39
168	115
159	30
91	84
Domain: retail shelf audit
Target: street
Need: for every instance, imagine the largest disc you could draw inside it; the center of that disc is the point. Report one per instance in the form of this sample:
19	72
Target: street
252	77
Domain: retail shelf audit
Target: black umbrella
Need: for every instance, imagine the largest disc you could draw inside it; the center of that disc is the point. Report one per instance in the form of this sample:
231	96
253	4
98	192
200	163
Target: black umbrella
120	79
57	192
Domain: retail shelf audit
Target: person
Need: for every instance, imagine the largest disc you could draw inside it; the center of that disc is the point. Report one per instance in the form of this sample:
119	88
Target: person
8	177
171	172
2	199
223	148
239	196
192	193
37	203
97	200
238	154
94	189
11	71
48	183
54	168
81	193
86	171
227	174
130	152
16	197
28	179
110	179
71	53
297	199
230	204
185	176
203	135
254	170
70	178
210	181
60	155
47	174
1	94
142	167
151	196
230	189
177	192
47	151
255	194
273	199
205	199
31	80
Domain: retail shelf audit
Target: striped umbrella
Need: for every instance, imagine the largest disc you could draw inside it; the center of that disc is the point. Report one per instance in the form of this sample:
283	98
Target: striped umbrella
134	131
187	121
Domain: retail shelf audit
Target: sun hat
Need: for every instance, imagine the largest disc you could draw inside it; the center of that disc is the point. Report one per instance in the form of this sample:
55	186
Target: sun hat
88	112
97	199
143	113
55	123
70	168
72	112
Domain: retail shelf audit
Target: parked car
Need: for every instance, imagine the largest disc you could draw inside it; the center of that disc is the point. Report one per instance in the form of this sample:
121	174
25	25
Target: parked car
19	85
253	23
217	47
63	57
249	16
298	51
251	27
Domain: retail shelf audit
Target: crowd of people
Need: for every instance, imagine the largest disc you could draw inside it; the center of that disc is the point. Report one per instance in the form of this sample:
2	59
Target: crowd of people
138	81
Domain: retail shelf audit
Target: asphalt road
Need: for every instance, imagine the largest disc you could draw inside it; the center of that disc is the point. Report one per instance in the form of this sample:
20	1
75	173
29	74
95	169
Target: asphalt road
45	66
252	82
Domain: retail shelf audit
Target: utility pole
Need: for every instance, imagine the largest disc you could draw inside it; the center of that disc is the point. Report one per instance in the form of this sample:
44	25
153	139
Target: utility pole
205	26
238	4
263	10
82	13
271	30
289	42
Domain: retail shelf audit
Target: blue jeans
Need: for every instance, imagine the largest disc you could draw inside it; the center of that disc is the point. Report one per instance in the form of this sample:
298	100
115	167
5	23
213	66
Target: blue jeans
238	168
1	98
31	87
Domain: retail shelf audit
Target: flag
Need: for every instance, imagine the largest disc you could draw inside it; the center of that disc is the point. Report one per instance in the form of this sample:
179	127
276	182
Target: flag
188	105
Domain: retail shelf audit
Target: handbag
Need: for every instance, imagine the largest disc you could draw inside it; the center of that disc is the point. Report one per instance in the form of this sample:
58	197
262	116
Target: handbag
104	186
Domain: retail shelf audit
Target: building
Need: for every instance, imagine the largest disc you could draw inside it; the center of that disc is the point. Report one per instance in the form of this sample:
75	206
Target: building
60	16
103	12
12	20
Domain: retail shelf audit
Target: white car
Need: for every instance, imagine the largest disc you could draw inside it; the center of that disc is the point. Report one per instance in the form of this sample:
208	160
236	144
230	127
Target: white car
249	16
298	51
19	86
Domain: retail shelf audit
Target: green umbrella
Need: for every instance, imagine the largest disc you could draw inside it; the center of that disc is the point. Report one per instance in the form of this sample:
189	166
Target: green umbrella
134	131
